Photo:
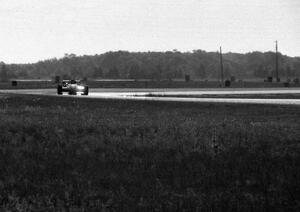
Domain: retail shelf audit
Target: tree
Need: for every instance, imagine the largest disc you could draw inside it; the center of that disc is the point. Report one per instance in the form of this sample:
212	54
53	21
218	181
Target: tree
156	74
155	65
289	72
200	71
134	72
227	70
169	74
261	71
113	73
3	73
98	72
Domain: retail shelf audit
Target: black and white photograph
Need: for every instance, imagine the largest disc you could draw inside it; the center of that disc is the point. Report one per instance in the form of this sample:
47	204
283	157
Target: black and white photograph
149	105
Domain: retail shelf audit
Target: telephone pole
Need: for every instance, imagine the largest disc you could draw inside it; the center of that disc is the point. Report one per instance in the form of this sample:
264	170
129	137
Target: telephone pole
221	64
276	62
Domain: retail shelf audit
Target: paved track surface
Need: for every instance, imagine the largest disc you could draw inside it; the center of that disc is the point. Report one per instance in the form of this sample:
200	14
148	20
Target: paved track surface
140	94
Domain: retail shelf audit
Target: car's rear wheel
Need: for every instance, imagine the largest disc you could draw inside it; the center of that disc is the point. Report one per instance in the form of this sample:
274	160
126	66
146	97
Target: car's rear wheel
86	91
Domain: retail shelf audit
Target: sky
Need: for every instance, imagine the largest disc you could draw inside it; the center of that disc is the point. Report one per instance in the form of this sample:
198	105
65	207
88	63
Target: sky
33	30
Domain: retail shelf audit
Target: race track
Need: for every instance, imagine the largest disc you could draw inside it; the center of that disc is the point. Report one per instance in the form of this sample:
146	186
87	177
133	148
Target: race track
157	94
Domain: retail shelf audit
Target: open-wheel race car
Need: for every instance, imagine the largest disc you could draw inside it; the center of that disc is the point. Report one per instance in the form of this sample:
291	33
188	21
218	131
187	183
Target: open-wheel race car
72	87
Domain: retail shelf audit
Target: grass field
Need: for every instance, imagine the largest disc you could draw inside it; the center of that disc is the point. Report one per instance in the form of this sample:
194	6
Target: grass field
108	155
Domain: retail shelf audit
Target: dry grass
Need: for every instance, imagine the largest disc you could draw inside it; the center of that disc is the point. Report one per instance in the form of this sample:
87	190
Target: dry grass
103	155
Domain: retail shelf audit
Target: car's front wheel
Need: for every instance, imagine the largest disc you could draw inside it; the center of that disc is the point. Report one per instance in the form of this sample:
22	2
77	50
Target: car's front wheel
59	90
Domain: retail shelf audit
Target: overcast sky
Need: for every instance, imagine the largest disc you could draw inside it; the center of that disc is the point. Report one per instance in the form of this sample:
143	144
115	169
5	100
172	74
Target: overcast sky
33	30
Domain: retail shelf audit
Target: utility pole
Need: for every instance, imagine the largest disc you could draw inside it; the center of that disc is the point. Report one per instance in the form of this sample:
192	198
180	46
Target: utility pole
276	62
221	63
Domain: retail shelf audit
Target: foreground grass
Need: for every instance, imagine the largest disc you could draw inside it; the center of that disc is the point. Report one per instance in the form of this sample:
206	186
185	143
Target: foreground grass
73	154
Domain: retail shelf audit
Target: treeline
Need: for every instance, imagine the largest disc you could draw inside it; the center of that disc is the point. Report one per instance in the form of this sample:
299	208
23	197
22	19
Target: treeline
156	65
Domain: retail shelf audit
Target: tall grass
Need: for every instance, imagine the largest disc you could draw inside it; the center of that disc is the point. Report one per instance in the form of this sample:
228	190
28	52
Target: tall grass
100	155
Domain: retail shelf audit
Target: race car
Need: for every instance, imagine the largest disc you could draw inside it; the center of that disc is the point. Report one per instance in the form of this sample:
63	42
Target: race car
72	87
